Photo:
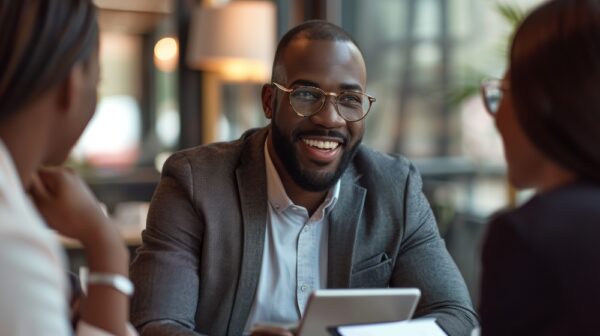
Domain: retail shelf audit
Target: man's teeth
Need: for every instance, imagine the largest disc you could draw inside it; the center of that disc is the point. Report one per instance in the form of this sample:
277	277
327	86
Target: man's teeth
321	144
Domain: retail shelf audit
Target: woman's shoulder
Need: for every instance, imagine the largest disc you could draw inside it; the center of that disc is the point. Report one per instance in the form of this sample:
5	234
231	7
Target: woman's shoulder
577	202
574	195
557	219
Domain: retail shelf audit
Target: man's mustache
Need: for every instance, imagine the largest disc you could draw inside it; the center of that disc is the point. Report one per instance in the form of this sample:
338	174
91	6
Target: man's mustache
321	133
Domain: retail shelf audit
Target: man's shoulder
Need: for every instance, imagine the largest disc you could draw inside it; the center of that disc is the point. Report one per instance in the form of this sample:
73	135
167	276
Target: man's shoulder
218	155
209	154
388	174
374	163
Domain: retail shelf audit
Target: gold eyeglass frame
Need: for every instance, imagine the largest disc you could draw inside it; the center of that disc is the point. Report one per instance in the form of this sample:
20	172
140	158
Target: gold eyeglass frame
331	94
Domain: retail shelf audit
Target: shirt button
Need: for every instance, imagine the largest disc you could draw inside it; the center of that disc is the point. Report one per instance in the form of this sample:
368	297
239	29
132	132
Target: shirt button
303	288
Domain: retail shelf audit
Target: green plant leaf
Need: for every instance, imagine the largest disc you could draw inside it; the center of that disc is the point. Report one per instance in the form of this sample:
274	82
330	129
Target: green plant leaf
466	88
513	14
463	89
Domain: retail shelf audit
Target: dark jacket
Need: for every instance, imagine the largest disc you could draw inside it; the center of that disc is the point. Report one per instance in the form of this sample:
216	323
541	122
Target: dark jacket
199	265
541	266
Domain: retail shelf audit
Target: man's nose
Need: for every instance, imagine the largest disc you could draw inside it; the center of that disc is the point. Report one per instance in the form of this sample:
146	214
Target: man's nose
328	116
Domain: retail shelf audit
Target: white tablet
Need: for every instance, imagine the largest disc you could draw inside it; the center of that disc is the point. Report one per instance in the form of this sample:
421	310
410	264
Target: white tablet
332	307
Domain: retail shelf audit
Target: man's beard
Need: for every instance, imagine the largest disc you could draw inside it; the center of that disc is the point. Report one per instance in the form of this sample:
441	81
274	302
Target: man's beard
306	179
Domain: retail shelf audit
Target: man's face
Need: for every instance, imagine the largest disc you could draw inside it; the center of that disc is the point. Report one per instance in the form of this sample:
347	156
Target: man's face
315	151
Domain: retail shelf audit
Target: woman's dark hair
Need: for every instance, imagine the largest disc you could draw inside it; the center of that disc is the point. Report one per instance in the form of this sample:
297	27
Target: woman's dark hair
40	42
555	82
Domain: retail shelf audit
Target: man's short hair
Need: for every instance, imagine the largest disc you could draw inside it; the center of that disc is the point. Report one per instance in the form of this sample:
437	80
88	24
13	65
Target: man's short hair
311	30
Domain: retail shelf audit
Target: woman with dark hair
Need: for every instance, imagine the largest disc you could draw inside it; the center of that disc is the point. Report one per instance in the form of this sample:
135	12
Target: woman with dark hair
48	78
541	261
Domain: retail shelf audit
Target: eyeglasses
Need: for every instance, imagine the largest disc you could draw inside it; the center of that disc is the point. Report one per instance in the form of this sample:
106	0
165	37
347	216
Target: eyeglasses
308	100
492	91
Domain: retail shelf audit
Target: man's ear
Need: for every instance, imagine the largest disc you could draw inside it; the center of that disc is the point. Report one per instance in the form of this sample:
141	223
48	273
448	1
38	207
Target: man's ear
268	100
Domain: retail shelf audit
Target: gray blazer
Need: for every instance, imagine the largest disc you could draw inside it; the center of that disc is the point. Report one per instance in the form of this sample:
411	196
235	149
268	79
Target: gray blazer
198	268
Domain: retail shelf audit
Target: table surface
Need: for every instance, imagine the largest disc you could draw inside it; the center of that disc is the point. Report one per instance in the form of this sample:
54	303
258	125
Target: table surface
132	236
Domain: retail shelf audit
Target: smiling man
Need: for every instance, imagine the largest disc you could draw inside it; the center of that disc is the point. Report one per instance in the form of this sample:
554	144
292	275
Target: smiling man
243	232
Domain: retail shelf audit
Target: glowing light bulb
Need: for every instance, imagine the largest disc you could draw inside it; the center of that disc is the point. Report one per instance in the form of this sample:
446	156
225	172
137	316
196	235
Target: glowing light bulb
166	53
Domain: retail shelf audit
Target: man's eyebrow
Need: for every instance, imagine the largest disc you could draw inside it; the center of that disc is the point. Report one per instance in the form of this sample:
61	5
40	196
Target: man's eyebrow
303	82
351	87
343	86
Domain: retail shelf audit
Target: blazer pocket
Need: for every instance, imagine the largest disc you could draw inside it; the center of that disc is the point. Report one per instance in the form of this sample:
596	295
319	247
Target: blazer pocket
374	272
370	262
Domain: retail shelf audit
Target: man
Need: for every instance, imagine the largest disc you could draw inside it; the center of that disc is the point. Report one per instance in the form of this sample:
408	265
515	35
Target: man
242	232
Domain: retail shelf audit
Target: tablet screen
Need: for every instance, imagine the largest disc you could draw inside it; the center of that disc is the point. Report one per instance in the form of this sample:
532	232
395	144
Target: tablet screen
332	307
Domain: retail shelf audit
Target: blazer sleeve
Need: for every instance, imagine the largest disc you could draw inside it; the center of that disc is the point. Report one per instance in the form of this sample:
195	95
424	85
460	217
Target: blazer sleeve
424	262
165	270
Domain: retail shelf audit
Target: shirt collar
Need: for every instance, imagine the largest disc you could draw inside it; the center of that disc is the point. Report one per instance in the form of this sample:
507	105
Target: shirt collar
279	198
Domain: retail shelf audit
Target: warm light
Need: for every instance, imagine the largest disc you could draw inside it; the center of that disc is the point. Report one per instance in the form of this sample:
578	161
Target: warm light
235	40
238	69
166	49
244	70
166	53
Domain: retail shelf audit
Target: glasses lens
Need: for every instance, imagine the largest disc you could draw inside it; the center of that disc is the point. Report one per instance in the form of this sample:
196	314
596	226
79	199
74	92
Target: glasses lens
492	95
306	100
353	105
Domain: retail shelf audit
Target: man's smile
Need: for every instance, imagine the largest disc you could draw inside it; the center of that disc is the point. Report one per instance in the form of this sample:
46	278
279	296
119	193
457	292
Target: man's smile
321	144
321	151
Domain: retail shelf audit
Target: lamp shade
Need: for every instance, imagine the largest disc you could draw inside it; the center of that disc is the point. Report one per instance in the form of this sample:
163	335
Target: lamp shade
236	40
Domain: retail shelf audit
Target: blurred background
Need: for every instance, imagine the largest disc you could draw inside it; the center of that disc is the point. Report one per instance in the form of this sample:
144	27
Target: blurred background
179	73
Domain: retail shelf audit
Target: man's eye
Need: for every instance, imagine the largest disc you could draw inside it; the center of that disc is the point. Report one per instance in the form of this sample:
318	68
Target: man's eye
350	99
307	95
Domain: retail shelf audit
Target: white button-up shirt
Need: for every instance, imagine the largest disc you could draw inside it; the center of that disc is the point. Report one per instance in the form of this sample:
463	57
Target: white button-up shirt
294	262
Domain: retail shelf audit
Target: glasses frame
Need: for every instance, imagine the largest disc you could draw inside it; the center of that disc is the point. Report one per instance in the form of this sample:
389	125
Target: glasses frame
331	94
488	84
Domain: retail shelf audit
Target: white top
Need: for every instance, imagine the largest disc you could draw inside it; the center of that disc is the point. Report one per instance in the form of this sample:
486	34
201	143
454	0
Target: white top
294	262
33	282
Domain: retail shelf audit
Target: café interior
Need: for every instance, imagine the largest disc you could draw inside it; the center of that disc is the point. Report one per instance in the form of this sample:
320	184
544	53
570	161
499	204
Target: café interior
181	73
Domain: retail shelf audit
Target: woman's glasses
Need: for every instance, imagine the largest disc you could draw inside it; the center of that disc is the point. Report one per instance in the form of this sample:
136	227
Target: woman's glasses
492	91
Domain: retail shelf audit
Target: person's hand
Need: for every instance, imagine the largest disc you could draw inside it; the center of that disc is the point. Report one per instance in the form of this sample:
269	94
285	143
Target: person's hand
68	206
270	331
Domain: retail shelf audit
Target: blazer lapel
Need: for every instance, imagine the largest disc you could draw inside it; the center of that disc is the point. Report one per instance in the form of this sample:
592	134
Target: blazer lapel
251	179
343	224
